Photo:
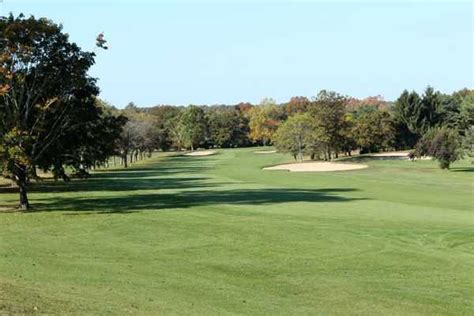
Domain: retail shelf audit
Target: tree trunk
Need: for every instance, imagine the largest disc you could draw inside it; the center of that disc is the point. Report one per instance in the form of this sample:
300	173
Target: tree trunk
125	163
300	155
65	177
24	203
34	174
20	179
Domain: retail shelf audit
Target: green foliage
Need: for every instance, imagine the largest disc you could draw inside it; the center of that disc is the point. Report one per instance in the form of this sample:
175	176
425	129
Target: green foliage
466	112
415	115
48	110
468	142
193	127
295	135
329	120
408	118
373	130
443	144
340	124
227	127
164	118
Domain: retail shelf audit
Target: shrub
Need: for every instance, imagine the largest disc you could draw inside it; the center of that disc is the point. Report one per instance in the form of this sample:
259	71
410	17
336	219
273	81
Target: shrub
443	144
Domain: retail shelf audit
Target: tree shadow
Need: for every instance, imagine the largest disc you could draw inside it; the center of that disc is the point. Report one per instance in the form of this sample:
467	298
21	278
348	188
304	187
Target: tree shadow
183	174
465	169
120	184
186	199
157	176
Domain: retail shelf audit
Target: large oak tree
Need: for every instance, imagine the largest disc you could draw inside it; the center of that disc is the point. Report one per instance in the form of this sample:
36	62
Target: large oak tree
46	99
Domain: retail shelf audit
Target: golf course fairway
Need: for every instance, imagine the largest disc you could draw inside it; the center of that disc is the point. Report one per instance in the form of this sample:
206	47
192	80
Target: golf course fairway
219	235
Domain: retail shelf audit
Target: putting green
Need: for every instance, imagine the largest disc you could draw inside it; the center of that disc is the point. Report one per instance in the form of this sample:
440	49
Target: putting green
219	235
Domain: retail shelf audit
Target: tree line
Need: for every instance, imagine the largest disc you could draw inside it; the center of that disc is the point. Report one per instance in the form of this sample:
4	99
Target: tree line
332	124
51	118
322	127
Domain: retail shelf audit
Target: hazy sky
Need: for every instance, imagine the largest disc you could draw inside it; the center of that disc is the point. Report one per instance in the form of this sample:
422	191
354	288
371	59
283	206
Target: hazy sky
213	52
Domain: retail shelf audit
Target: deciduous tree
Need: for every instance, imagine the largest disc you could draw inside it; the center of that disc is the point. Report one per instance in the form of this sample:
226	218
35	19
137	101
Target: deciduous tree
441	143
264	121
46	94
373	131
328	112
227	127
193	126
295	135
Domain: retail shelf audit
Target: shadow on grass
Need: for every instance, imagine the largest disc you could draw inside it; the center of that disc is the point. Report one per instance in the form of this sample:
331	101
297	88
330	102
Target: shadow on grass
186	199
156	176
123	184
466	169
183	174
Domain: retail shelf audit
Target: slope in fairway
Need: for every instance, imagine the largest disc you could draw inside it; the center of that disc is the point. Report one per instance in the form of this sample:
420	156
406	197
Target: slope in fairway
219	235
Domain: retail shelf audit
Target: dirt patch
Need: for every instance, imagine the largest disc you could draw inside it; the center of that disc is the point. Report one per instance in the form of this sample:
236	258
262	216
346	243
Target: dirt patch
265	152
201	153
317	167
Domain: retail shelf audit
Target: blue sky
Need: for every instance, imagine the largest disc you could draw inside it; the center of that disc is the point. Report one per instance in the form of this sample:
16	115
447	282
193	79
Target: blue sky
209	52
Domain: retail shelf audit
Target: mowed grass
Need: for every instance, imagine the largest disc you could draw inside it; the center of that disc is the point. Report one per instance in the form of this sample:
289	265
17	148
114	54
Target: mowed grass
218	235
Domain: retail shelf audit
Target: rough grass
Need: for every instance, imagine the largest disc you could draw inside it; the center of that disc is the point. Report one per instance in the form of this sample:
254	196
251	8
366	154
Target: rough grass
218	235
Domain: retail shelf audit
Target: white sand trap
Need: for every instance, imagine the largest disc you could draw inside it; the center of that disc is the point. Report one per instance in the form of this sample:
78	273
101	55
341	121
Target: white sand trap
424	158
265	152
317	167
400	155
392	154
201	153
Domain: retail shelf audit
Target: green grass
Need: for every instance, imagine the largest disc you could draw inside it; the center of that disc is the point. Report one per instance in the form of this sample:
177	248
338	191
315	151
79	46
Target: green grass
218	235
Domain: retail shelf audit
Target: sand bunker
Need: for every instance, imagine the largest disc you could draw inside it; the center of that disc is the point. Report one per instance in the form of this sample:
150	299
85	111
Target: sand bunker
317	167
265	152
201	153
398	155
392	154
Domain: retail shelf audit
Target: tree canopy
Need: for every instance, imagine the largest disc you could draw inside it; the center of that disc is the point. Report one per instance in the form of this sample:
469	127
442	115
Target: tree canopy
48	109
